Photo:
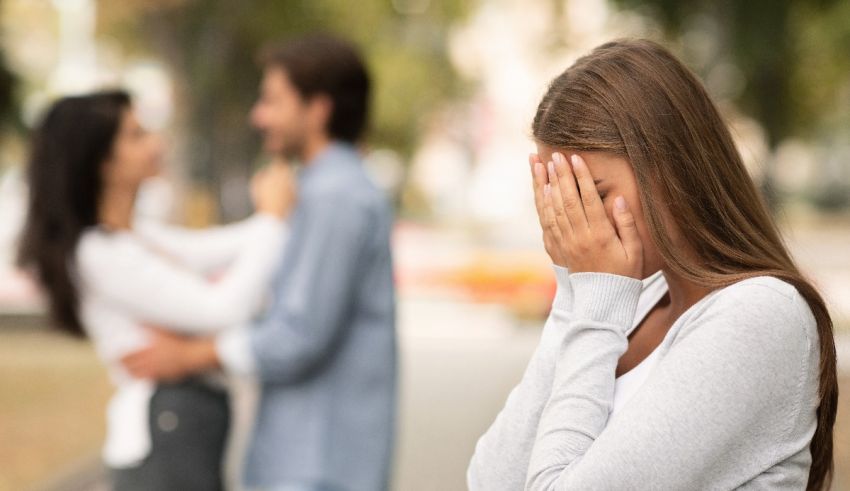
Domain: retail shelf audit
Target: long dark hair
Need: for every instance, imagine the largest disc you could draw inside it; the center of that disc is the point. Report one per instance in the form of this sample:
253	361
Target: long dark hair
634	99
69	148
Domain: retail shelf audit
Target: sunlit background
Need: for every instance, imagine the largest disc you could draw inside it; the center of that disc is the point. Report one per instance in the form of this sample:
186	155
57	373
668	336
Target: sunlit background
456	85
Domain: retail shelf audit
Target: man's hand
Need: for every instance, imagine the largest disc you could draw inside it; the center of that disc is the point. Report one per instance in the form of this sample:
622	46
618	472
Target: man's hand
170	357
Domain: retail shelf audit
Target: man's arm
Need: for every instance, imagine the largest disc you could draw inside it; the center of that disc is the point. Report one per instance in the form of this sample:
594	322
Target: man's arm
308	319
300	330
169	356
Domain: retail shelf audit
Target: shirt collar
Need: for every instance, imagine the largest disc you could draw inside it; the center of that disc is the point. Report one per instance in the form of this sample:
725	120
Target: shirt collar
335	152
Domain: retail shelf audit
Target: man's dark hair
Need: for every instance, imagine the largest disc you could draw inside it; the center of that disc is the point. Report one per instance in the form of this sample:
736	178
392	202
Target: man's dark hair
321	64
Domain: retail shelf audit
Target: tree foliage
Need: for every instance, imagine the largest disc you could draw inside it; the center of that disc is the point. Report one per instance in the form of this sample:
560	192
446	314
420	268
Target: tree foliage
211	46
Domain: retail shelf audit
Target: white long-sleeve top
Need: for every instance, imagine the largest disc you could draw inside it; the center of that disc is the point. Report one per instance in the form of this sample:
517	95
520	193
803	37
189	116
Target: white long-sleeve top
162	275
730	401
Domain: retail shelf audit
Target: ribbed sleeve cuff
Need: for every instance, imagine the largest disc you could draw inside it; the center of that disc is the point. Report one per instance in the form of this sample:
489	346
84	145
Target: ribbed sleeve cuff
233	348
604	297
270	230
564	292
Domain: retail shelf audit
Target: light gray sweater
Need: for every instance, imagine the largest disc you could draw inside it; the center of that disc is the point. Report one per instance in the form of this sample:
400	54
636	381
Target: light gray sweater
729	404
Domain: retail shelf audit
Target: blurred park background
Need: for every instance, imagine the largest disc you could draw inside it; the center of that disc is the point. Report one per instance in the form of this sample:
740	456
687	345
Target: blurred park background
456	85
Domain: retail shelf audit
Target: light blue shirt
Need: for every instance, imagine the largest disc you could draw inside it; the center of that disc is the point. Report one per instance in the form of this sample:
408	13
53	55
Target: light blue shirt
325	351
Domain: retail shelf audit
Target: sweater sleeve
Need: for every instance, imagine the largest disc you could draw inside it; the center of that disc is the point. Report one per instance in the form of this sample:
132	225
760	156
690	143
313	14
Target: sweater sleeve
731	398
502	453
157	291
203	250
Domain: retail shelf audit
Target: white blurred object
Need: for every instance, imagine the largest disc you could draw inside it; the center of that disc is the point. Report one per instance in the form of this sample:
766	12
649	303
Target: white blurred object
13	202
17	291
440	169
150	85
76	70
795	166
386	169
473	166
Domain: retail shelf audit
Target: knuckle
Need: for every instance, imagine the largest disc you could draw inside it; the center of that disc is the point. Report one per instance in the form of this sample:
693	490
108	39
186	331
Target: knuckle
628	221
636	246
571	203
561	170
600	239
582	247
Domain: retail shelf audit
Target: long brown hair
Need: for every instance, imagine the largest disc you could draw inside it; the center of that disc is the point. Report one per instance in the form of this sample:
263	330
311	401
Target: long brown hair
68	150
634	99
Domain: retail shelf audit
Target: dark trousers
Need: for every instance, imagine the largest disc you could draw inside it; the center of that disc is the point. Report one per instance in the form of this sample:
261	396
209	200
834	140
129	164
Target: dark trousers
189	422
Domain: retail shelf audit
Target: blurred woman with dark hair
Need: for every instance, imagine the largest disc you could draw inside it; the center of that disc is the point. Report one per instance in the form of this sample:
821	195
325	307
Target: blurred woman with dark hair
107	276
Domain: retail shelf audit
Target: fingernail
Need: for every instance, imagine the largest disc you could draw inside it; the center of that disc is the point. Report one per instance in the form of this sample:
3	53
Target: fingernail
558	157
620	203
575	160
551	167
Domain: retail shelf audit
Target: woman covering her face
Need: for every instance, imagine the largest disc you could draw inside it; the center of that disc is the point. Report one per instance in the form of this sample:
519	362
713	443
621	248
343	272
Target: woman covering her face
684	349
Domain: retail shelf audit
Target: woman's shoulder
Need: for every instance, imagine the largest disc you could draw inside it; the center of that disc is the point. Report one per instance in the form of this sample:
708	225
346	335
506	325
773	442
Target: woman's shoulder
764	286
768	295
764	328
764	309
100	250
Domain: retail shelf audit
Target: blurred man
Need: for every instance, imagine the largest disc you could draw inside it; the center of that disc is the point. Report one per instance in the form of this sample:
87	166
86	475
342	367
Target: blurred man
325	351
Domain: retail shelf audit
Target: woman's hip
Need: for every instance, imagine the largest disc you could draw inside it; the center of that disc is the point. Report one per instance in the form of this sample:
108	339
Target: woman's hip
189	423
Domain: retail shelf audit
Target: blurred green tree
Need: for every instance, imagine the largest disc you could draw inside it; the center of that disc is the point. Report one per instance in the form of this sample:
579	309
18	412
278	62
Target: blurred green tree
211	46
794	56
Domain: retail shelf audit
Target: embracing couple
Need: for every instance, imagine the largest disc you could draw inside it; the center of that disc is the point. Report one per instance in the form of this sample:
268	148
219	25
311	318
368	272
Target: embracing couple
302	297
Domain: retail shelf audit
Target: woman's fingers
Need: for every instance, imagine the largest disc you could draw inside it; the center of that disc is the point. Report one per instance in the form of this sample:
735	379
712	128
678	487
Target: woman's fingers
538	182
559	211
576	230
590	200
567	200
627	231
550	220
551	235
274	189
